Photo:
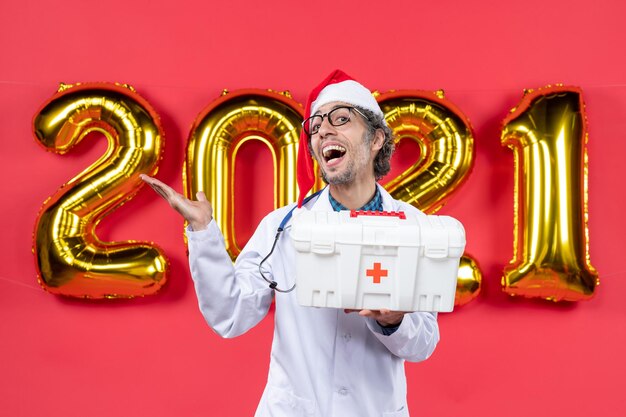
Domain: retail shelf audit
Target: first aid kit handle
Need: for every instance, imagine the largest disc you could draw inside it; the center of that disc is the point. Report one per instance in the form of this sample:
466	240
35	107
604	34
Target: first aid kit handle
356	213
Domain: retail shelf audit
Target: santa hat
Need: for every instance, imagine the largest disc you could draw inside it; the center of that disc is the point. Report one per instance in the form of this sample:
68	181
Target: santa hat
338	86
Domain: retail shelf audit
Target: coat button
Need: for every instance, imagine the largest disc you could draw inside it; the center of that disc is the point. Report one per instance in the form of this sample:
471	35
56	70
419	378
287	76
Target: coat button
343	391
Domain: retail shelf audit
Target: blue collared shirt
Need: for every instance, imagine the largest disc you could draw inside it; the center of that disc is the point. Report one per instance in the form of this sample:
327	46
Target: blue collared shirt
375	204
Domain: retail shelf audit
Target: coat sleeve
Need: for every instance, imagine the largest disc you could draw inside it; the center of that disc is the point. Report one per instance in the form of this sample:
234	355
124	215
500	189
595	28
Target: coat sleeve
415	339
232	298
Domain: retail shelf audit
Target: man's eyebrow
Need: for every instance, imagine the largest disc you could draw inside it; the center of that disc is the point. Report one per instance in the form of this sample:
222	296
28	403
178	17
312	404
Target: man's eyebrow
335	107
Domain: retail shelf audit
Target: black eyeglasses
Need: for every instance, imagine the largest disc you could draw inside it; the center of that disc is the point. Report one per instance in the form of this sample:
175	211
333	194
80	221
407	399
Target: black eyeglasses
338	116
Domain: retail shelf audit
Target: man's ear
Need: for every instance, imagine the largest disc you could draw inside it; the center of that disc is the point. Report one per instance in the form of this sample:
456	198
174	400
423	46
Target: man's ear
378	140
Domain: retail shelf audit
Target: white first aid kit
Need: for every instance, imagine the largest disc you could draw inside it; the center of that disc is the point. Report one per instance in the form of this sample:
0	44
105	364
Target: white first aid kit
376	260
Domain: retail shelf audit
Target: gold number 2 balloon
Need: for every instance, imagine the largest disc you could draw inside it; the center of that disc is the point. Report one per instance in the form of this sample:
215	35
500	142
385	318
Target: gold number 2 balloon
548	134
446	143
71	260
217	135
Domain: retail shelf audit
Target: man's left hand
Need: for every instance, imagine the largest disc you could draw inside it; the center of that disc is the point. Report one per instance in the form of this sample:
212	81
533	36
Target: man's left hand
383	317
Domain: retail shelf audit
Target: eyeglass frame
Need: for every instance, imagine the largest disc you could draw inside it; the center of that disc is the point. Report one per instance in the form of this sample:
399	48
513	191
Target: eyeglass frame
327	116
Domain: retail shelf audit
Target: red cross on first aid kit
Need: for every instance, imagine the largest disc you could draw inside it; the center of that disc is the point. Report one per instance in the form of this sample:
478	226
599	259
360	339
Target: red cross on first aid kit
374	260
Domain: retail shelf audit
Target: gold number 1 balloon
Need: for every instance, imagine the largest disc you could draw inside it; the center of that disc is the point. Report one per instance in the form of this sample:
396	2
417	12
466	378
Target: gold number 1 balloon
548	133
71	260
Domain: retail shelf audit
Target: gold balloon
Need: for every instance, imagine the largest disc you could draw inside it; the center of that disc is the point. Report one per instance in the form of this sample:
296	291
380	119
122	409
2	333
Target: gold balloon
548	134
468	282
445	139
71	260
218	133
446	143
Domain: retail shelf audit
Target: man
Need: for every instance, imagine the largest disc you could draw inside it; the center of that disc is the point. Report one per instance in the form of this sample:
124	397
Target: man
324	362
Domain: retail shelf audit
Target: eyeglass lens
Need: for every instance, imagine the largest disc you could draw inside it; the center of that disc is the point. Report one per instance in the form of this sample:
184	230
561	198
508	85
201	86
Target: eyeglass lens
336	117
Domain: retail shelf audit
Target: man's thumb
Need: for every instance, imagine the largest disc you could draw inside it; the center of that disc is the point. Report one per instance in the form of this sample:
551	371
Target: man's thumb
201	196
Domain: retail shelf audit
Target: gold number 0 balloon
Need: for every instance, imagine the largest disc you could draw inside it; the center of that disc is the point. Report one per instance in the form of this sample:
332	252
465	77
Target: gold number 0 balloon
446	143
218	133
547	133
71	260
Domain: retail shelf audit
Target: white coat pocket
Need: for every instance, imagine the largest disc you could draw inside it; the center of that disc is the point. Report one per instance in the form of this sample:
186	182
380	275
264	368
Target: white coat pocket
281	403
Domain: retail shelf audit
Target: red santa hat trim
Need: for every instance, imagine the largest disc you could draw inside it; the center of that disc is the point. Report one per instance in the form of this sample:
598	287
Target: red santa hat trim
338	86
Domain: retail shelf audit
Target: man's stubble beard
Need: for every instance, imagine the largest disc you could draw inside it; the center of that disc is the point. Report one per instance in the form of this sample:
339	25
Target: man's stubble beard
349	174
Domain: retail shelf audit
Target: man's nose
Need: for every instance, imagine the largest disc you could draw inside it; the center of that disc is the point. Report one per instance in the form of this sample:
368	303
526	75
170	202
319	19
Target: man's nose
326	127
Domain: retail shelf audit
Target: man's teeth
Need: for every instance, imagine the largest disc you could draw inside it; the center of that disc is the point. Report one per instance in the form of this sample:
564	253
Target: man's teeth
333	150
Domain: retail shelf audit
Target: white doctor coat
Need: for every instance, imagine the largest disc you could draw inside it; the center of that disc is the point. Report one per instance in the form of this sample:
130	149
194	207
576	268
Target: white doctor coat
324	362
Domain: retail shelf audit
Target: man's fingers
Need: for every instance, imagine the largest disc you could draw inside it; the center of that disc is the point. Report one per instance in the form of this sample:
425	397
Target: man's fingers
166	191
201	196
160	187
147	179
153	182
159	191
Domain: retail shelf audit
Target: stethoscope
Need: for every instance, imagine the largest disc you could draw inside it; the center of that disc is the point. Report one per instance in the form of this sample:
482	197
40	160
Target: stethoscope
273	284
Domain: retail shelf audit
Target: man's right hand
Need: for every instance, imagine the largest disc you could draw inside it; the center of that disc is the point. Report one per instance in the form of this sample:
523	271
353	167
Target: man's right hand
197	213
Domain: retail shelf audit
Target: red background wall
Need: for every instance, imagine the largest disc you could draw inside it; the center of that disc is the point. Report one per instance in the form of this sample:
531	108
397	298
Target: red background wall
154	355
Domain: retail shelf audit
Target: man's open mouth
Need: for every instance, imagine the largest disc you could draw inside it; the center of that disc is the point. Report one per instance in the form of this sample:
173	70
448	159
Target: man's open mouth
333	152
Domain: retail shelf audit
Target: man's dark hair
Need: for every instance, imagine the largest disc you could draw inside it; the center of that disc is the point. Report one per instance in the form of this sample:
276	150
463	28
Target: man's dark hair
382	163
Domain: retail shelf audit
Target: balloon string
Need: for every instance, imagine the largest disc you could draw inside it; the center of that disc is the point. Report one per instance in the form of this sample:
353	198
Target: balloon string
32	287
